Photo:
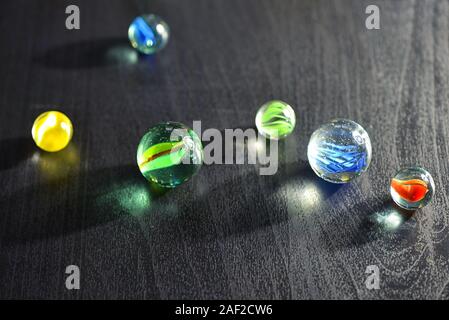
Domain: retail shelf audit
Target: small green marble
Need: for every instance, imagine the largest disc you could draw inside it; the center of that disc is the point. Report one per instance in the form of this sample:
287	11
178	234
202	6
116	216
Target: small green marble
275	120
169	154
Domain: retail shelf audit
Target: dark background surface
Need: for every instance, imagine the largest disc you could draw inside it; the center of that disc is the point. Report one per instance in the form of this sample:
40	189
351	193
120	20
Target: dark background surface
228	232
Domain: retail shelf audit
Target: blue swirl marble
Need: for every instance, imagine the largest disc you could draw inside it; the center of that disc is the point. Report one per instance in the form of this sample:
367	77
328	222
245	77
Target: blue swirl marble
337	159
339	151
148	33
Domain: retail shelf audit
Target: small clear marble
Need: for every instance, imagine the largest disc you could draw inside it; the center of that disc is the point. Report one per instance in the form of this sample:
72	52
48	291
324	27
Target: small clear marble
412	188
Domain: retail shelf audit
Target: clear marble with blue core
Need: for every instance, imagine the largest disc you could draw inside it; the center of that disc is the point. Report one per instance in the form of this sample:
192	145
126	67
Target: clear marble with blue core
339	151
148	33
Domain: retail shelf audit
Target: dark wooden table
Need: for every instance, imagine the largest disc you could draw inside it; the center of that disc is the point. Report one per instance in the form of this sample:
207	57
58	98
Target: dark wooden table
228	232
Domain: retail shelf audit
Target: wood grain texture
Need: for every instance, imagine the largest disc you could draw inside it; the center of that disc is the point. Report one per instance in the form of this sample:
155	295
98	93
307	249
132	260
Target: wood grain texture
229	232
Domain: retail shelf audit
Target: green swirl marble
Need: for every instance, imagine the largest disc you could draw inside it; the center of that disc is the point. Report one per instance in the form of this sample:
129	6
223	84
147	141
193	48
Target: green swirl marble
275	120
169	154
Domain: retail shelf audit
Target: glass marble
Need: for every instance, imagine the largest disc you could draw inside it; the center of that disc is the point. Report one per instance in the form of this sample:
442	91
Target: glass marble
169	154
412	188
148	33
52	131
339	151
275	120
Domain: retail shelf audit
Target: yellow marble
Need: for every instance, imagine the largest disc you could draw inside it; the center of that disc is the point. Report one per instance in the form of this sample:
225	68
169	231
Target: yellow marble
52	131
